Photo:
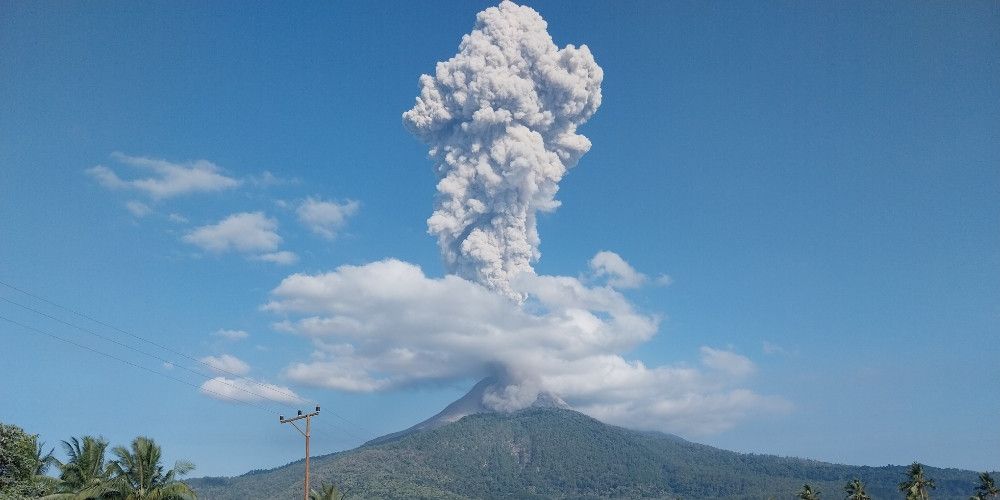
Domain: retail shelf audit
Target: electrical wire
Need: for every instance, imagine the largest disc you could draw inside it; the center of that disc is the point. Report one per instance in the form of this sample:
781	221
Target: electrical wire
150	342
134	365
159	358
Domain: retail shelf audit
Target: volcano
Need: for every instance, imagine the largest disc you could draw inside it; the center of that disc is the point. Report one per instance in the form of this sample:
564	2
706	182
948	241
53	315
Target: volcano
551	451
469	404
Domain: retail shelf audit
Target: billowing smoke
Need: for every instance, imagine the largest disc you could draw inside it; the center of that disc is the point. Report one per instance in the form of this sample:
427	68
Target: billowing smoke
500	118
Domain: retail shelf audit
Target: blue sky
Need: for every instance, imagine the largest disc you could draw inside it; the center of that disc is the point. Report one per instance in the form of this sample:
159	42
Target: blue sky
819	182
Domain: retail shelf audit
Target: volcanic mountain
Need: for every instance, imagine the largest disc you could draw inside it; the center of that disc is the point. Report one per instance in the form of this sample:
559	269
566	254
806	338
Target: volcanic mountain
550	451
470	404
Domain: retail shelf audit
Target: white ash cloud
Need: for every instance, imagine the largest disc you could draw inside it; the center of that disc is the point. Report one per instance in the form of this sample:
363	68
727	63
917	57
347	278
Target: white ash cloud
501	120
385	325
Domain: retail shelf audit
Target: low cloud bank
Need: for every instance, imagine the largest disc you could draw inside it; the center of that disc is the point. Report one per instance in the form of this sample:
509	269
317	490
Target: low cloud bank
386	325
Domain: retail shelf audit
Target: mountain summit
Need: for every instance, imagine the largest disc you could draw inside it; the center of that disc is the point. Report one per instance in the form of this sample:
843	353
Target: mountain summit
469	404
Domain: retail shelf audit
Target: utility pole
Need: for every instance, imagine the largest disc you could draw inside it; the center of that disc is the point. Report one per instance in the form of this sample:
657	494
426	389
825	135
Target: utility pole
307	416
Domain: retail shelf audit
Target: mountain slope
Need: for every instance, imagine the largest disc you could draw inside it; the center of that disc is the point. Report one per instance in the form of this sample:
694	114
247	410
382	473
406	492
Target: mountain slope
559	453
470	404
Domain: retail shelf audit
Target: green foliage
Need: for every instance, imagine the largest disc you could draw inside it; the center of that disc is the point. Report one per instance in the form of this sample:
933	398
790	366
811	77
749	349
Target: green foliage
22	464
987	488
135	474
917	486
138	474
85	474
856	490
808	493
328	491
553	453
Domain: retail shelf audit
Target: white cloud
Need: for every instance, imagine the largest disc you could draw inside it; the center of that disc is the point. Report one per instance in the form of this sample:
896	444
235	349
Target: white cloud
243	232
385	325
283	257
166	179
138	208
727	361
226	364
178	218
770	348
268	179
326	218
247	390
233	335
618	272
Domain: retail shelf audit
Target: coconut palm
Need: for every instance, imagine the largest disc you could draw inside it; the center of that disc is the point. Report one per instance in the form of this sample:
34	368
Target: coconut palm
918	486
43	460
856	490
987	488
808	493
328	492
85	474
139	475
43	483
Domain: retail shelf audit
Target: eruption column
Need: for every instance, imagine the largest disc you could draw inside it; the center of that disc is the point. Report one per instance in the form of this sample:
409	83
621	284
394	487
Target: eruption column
500	118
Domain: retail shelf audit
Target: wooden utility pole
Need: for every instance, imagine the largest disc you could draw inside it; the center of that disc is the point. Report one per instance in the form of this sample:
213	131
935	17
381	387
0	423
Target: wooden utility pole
307	416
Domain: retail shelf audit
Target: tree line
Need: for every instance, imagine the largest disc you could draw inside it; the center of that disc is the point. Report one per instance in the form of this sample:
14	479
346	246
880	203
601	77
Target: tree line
135	472
916	487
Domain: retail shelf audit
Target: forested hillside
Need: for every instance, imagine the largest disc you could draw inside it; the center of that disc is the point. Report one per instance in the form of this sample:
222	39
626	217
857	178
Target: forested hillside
557	453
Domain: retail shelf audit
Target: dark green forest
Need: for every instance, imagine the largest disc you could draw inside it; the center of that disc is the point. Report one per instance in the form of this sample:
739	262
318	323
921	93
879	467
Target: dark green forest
554	453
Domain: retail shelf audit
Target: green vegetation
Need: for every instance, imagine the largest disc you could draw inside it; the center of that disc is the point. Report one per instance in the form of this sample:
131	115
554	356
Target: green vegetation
22	464
85	473
328	491
856	490
554	453
917	486
807	493
136	473
987	488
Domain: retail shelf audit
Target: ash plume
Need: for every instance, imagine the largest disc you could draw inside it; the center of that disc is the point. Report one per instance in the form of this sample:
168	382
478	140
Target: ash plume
500	118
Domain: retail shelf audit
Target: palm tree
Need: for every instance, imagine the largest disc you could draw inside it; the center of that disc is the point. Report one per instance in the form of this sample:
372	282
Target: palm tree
85	475
139	475
44	484
807	493
986	489
856	490
328	492
917	487
43	460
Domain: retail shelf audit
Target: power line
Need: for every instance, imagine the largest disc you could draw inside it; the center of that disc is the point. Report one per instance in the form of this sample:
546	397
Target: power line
154	356
158	345
165	348
270	409
134	365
